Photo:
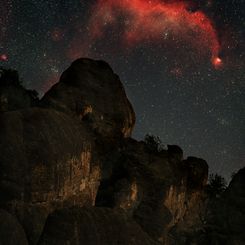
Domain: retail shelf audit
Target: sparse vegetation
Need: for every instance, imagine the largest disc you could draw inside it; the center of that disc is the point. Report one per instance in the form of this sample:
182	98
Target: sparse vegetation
217	185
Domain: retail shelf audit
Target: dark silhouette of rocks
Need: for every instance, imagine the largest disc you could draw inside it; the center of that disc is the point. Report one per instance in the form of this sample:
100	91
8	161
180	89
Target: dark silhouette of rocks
70	173
13	96
227	217
175	152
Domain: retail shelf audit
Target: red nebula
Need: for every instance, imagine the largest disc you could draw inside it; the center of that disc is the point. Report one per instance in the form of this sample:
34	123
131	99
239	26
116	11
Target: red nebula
145	21
217	62
3	57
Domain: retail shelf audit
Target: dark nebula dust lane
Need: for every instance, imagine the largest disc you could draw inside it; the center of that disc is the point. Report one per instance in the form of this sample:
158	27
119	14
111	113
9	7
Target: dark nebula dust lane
182	63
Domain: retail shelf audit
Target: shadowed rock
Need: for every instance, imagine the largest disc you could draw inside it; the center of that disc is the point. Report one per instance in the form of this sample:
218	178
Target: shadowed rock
151	188
13	96
91	87
11	232
48	154
92	226
47	160
197	172
175	153
227	219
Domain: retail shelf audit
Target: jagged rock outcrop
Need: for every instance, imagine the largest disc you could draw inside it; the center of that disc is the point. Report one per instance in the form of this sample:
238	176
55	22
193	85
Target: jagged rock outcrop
71	174
223	218
155	191
13	96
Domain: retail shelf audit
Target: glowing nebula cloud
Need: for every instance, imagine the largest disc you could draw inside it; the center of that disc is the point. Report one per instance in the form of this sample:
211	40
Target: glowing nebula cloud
152	21
3	57
217	62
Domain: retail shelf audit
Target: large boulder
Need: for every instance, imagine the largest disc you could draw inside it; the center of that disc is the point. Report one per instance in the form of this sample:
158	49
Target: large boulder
92	91
47	160
92	226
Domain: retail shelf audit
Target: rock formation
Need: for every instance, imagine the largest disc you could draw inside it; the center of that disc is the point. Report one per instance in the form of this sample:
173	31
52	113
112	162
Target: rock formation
11	232
91	91
226	220
13	96
70	173
92	226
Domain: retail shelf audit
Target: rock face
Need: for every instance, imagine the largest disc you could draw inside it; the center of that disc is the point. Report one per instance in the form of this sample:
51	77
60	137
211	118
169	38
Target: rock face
150	188
223	218
92	226
92	91
71	174
227	220
47	161
48	153
11	232
12	95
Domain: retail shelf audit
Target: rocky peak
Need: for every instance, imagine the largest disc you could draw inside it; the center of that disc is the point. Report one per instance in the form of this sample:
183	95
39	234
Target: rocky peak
175	153
93	92
197	172
237	184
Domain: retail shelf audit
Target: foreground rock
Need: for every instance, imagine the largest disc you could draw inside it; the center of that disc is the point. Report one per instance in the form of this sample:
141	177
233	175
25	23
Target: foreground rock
153	187
223	218
47	161
227	220
90	90
11	232
48	153
92	226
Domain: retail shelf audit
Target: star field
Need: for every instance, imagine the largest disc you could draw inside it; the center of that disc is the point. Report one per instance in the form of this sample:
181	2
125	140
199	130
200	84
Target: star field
182	63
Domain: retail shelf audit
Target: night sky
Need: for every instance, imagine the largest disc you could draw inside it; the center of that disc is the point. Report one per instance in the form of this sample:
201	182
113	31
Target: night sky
182	63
